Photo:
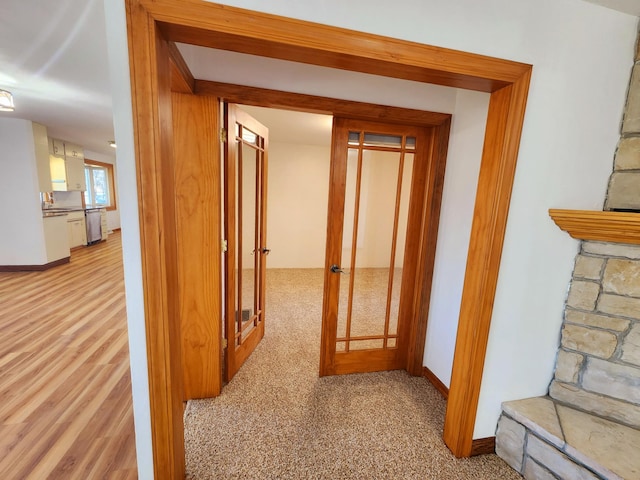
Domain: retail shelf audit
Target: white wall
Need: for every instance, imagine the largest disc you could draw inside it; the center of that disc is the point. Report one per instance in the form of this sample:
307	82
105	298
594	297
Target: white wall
118	57
298	192
22	239
458	198
582	55
113	216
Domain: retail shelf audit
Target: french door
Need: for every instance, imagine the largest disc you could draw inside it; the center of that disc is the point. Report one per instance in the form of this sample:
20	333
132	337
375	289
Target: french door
376	203
245	231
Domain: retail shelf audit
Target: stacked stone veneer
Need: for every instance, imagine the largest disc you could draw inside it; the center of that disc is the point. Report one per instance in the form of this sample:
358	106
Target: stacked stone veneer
624	183
597	373
598	364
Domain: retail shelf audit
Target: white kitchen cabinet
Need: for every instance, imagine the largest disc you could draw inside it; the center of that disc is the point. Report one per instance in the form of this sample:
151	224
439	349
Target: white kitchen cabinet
103	223
72	150
66	164
56	237
76	229
57	165
56	147
42	156
75	174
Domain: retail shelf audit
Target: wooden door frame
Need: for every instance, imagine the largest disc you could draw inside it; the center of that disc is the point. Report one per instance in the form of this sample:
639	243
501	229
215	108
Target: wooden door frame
151	24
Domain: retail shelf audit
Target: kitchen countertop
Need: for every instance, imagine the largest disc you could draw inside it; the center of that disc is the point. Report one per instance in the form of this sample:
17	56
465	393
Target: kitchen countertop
53	214
56	212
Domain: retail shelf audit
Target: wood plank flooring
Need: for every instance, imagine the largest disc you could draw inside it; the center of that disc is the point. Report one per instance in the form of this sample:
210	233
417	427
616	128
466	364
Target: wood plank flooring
65	388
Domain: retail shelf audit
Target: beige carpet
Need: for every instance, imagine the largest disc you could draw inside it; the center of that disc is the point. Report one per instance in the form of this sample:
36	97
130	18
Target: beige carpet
278	420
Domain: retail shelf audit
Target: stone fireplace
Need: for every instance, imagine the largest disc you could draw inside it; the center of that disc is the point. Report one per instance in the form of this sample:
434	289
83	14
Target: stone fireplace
588	425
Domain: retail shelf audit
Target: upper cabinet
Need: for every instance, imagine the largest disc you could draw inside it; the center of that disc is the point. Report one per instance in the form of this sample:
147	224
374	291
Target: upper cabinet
42	157
56	147
73	151
66	162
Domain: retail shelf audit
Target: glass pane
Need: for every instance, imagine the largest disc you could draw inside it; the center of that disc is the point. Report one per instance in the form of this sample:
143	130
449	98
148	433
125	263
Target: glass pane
347	239
411	143
403	215
380	140
354	138
100	187
391	343
378	187
249	136
248	225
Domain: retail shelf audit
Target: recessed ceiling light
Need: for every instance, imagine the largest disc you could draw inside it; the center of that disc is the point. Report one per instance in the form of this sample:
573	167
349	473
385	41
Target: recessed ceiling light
6	101
112	143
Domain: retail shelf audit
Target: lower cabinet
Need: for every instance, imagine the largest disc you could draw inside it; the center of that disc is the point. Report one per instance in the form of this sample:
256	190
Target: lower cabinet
103	223
77	229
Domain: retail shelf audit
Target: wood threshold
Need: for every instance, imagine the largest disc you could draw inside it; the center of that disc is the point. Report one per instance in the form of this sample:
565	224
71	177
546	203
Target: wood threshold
151	23
483	446
599	226
34	268
435	381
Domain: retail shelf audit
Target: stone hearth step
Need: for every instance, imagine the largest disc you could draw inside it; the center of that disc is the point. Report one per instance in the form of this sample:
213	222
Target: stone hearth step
544	439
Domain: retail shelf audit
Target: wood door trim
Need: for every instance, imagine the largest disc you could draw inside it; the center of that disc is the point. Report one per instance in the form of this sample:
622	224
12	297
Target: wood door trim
229	206
437	159
182	80
151	104
263	97
204	23
257	33
497	169
483	446
436	382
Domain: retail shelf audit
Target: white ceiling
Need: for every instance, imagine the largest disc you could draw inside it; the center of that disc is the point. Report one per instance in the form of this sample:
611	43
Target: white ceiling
627	6
53	58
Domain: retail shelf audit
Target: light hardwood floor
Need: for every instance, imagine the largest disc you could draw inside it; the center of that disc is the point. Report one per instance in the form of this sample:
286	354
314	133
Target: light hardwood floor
65	388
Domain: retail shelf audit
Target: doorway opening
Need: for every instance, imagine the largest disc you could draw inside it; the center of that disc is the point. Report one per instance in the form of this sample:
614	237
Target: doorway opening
150	26
383	190
282	374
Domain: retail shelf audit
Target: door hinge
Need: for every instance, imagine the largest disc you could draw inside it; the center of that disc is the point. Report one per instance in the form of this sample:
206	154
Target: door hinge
225	246
223	135
224	343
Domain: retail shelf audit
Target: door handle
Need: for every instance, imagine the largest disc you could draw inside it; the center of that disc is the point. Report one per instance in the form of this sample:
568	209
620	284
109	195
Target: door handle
336	269
265	250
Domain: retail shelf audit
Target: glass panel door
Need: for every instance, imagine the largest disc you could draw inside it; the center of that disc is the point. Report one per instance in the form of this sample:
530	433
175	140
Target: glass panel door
365	286
245	231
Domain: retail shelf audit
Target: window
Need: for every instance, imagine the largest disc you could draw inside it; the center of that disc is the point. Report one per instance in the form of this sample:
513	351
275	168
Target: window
100	190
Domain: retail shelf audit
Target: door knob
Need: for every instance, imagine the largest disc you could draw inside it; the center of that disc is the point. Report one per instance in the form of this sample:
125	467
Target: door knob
336	269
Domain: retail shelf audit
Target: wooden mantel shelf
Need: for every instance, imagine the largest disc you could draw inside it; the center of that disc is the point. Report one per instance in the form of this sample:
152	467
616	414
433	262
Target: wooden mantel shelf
618	227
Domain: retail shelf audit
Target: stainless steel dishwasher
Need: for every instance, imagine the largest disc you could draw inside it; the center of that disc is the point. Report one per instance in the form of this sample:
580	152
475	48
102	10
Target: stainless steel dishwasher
94	228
